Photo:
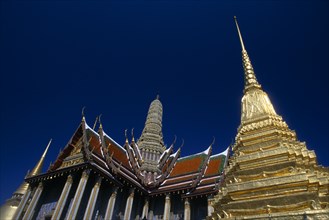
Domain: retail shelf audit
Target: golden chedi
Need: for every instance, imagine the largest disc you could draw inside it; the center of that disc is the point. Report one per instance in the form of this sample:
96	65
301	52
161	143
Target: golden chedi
9	208
271	175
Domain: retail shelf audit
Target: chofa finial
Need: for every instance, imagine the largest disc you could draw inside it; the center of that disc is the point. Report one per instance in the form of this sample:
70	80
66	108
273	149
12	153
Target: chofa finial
83	111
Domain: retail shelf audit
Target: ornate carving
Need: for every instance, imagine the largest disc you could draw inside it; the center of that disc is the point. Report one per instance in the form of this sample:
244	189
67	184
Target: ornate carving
72	162
151	140
256	103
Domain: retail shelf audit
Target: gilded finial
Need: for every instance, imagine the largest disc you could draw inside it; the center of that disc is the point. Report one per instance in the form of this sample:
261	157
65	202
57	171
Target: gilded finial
83	113
99	118
249	74
175	138
45	152
182	143
240	36
38	167
95	123
213	141
126	135
100	122
132	135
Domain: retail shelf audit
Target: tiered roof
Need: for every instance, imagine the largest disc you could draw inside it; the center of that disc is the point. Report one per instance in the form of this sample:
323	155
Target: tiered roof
191	175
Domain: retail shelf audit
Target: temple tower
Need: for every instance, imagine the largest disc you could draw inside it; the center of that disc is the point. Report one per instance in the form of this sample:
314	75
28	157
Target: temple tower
151	141
271	175
7	210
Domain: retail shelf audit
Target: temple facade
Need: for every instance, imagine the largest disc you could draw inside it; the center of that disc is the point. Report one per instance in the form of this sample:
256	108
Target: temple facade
268	173
94	177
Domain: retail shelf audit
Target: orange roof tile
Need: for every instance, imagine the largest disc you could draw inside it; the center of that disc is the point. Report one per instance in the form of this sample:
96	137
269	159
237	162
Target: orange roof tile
119	154
188	165
215	166
94	142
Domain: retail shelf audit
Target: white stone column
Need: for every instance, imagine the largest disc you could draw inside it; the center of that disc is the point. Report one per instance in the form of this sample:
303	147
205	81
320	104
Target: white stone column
78	195
30	210
166	213
62	199
110	204
92	200
129	204
210	207
22	204
145	209
187	209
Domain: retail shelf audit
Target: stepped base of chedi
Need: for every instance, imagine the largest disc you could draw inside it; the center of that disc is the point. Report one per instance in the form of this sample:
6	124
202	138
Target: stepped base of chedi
271	175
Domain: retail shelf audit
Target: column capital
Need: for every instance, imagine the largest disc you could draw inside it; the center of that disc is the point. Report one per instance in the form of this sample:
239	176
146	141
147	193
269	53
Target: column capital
85	174
132	192
69	179
114	192
187	201
99	181
40	185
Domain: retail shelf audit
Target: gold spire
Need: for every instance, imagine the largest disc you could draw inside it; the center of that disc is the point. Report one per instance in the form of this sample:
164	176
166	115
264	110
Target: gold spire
38	168
255	102
83	113
249	74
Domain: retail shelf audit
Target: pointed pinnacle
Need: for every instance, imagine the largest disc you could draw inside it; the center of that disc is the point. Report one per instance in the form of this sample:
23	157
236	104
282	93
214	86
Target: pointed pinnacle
45	152
250	79
132	135
240	36
95	123
126	135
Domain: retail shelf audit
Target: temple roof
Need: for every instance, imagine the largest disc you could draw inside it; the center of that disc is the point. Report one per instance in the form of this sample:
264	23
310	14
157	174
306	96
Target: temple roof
97	150
189	164
194	174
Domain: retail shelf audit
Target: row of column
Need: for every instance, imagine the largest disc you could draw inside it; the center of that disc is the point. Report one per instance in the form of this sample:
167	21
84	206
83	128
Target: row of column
187	209
73	209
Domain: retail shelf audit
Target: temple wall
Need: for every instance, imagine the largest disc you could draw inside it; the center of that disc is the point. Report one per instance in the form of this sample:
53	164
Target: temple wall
86	194
199	208
49	197
103	197
53	188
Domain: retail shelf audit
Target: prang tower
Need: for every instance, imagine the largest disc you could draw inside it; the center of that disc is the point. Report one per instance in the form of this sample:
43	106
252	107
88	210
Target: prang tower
151	141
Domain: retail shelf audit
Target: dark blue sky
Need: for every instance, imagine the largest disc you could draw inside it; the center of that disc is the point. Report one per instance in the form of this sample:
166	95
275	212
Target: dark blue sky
114	57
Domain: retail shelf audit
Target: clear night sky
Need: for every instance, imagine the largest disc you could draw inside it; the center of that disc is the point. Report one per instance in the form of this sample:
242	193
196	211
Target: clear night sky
114	57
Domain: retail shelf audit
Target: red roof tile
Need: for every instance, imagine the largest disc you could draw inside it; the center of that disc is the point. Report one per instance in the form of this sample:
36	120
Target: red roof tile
119	154
188	165
215	166
94	142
